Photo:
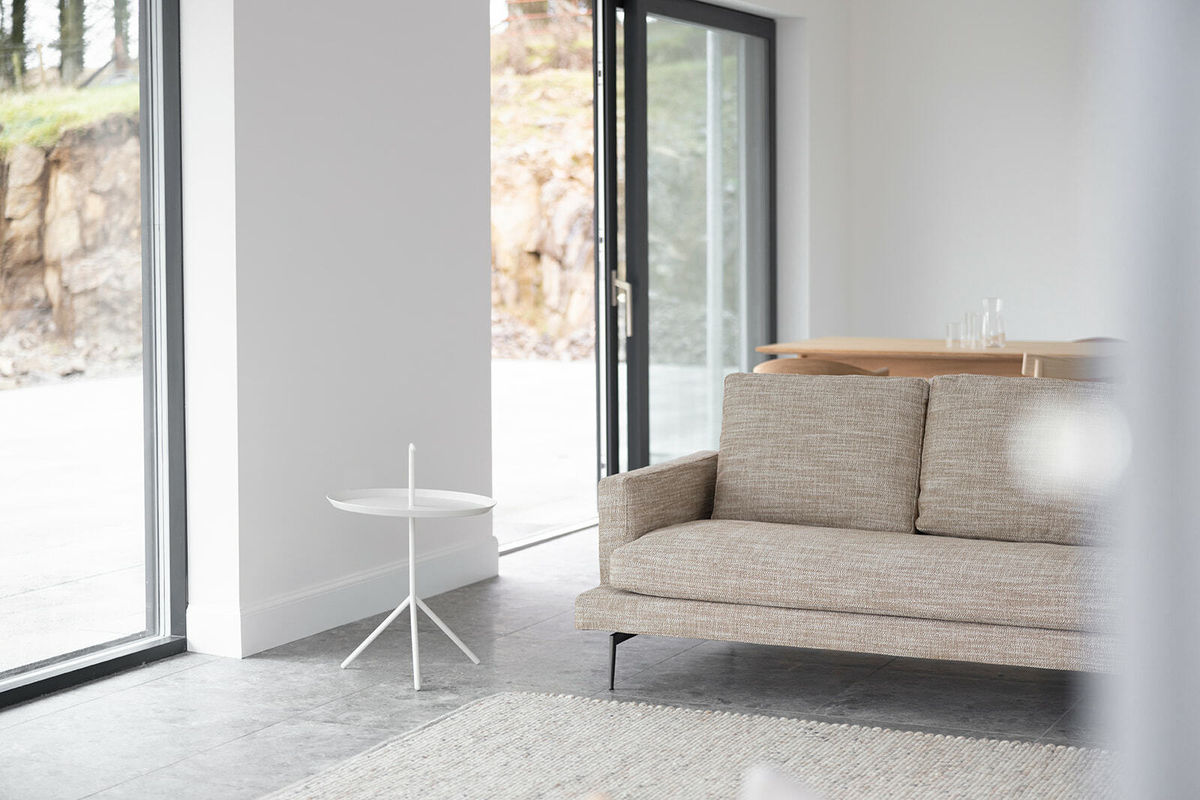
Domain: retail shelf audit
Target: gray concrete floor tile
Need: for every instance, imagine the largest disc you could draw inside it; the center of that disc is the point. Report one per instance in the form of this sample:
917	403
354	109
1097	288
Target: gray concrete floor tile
41	706
56	778
793	655
965	669
394	706
259	762
990	706
734	680
1081	726
165	783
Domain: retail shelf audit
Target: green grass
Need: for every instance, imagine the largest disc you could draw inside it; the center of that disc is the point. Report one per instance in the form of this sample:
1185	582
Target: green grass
40	118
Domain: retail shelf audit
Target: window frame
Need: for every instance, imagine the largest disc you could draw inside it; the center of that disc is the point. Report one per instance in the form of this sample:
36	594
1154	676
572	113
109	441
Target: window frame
162	375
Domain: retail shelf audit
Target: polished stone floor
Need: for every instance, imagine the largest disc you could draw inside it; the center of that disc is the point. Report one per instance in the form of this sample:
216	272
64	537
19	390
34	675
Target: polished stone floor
195	726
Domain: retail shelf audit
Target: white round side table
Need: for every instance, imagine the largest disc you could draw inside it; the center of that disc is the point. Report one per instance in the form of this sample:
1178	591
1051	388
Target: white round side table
426	504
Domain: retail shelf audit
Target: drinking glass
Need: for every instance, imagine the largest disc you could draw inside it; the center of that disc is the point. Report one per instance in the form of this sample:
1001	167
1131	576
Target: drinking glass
971	329
993	322
953	334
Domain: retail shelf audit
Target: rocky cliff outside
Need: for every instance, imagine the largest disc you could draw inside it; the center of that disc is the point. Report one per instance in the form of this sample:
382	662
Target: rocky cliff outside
542	200
70	245
70	215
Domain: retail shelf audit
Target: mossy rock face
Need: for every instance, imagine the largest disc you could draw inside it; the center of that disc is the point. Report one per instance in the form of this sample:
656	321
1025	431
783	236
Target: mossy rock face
41	118
529	47
70	254
542	214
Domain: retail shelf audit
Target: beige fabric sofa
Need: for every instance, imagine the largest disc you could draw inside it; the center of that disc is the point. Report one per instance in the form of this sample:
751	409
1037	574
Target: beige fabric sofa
885	515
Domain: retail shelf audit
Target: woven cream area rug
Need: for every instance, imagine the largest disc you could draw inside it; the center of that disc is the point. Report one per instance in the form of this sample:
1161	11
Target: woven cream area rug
519	745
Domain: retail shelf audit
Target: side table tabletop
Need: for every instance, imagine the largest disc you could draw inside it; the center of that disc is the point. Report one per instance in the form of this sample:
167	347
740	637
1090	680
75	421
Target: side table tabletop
425	504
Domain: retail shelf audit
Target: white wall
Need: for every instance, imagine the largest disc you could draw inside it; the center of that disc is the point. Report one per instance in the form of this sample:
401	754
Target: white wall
812	142
362	300
968	127
932	152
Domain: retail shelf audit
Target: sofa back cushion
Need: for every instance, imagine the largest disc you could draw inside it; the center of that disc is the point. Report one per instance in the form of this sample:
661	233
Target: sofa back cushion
840	452
998	459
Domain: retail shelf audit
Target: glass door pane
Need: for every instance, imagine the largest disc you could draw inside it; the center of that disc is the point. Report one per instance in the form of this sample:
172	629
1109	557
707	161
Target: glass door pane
82	294
686	172
543	282
708	255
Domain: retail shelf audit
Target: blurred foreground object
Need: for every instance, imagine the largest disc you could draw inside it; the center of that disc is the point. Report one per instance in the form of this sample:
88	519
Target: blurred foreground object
1144	180
767	783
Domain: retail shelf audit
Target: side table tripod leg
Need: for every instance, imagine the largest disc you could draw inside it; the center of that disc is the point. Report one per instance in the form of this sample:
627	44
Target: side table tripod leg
446	630
412	593
375	633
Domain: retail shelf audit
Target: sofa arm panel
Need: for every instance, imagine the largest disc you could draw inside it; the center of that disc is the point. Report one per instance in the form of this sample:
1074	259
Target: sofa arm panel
634	503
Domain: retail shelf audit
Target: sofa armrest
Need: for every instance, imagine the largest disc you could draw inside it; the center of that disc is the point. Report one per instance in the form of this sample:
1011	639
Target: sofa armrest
634	503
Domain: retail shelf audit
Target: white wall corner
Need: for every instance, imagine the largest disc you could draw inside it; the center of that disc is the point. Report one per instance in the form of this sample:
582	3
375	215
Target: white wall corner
813	165
210	324
793	178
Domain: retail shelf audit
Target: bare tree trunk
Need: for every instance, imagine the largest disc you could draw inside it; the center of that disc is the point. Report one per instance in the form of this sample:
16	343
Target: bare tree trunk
13	66
5	59
121	33
70	40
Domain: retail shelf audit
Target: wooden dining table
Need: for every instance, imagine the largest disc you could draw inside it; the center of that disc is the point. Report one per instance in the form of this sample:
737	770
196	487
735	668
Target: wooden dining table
924	358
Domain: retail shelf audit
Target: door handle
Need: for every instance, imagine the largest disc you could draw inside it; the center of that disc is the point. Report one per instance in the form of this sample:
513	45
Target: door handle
620	287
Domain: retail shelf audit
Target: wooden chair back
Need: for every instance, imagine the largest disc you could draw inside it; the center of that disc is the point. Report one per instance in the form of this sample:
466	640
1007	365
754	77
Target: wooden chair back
813	366
1084	368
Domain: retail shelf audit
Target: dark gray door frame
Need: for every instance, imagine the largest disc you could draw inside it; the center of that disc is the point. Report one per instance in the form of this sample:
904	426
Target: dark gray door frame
637	347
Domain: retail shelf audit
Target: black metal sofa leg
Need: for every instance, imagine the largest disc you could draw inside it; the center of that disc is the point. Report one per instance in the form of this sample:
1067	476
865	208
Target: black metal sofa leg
614	640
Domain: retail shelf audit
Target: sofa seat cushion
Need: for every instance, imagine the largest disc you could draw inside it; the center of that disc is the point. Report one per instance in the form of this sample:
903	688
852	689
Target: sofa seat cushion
837	451
1022	584
992	464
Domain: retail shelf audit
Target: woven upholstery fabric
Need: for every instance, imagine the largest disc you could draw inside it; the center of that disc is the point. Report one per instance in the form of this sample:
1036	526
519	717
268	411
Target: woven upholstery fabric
637	502
841	452
607	609
980	432
872	572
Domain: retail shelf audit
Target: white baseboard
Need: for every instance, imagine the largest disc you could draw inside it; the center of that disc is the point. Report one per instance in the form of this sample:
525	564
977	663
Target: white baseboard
294	615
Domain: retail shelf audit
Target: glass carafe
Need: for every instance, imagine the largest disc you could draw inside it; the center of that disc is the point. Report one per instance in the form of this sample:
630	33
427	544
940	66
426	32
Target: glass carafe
992	323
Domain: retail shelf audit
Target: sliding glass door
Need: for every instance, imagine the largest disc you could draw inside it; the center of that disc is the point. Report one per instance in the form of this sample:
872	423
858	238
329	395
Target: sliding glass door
91	434
688	179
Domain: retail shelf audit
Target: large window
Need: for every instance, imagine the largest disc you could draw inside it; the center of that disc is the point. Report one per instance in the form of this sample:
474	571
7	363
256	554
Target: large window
91	483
